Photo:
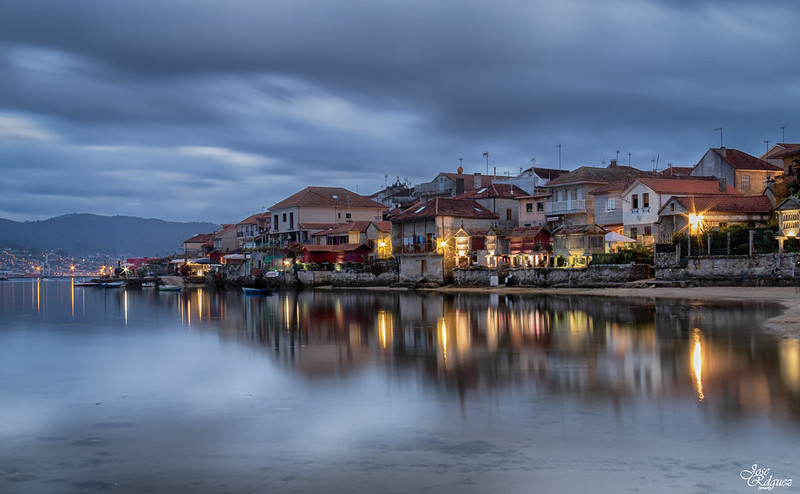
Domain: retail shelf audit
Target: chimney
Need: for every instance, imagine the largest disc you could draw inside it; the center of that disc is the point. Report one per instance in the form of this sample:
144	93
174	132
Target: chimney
722	150
459	186
723	185
477	180
613	164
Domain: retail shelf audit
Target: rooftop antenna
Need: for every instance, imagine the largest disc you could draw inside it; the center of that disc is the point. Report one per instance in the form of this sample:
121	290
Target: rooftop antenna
658	156
629	159
486	155
653	161
783	133
385	180
559	156
617	155
767	144
720	135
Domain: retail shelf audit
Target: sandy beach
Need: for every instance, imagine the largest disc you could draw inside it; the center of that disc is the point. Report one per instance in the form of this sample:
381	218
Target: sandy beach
786	325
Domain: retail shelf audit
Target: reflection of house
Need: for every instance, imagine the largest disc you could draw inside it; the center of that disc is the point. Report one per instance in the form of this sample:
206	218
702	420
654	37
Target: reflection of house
570	203
788	219
528	246
577	242
748	174
713	212
644	197
502	200
313	209
423	236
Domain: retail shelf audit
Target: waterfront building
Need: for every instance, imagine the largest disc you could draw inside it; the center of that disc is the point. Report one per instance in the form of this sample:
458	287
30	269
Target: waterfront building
747	174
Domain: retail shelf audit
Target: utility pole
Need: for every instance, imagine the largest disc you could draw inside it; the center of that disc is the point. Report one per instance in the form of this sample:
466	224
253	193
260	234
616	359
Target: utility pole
783	133
720	135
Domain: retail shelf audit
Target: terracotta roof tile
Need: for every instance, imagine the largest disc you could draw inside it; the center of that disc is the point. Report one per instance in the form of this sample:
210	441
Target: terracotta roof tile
528	231
676	171
505	191
783	150
727	204
686	185
598	175
335	248
743	161
445	206
352	226
328	197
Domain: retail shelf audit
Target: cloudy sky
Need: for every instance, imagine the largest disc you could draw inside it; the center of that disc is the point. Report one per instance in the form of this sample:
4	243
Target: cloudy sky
210	110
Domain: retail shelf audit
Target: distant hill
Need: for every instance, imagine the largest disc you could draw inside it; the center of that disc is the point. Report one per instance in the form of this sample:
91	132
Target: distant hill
83	234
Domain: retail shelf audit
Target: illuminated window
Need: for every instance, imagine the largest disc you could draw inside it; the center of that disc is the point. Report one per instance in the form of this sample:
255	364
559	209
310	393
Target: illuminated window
528	207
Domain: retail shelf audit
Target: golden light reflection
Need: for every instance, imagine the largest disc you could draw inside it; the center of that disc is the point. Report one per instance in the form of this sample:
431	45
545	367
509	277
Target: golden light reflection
72	295
697	364
286	312
790	364
199	304
385	328
189	312
38	299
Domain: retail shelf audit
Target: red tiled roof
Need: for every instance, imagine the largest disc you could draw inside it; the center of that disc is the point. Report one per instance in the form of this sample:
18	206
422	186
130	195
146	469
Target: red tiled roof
316	226
598	175
384	226
225	229
328	197
352	226
686	185
676	171
527	231
503	191
743	161
616	185
783	149
727	204
446	206
199	238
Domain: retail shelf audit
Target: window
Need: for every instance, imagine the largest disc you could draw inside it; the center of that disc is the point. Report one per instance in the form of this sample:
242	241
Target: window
648	230
528	207
611	205
539	207
276	222
672	207
646	201
284	217
745	182
633	233
635	201
291	221
348	215
508	215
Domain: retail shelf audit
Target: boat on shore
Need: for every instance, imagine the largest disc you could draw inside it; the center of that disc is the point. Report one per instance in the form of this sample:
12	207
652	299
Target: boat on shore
169	288
256	291
111	284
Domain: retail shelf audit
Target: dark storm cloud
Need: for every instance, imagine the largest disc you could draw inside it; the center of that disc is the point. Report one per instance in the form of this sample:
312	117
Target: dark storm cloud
197	107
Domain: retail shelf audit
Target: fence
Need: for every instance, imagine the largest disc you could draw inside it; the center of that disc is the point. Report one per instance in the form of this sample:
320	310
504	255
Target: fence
730	242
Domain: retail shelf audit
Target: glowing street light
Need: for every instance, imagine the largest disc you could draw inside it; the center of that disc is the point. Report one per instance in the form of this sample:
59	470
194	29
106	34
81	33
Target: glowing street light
695	220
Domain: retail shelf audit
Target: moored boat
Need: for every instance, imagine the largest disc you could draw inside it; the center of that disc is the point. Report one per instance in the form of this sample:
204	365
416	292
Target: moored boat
256	291
170	288
111	284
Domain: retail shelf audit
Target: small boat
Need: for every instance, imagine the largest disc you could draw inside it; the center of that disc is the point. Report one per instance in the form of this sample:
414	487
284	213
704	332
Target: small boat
170	288
84	283
256	291
111	284
148	284
272	274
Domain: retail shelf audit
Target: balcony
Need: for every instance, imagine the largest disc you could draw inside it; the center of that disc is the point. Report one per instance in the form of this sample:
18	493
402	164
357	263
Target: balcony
422	248
566	207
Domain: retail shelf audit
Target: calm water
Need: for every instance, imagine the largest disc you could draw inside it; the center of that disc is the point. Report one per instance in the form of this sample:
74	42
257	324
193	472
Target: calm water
111	390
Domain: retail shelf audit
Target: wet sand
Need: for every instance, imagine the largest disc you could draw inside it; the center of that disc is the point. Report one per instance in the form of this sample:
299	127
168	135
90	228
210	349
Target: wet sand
786	325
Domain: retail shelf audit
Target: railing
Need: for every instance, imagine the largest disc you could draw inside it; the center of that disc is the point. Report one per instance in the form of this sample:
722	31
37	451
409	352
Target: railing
416	248
572	206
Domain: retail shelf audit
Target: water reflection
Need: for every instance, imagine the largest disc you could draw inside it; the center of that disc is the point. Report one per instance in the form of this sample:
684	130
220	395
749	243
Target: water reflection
589	348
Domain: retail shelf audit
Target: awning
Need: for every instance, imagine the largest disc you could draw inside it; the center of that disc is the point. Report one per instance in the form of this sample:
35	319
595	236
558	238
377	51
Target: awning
616	237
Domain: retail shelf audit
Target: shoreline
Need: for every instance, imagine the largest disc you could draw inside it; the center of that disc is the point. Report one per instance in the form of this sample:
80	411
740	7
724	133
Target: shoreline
785	325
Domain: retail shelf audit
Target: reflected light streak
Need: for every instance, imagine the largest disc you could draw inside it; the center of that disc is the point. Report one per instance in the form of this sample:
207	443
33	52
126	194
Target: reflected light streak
72	295
444	345
189	312
382	328
200	304
697	364
38	286
125	305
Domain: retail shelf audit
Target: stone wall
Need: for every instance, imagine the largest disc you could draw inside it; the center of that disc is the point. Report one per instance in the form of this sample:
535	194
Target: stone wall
594	275
322	278
771	269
